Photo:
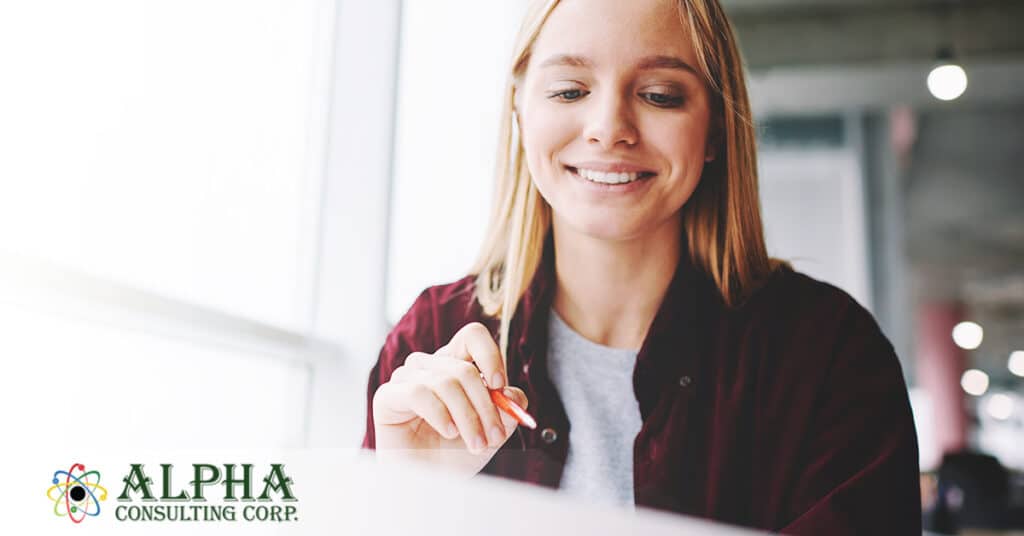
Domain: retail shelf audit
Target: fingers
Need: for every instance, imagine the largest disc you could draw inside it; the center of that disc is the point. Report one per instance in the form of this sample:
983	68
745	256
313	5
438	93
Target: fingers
422	401
491	430
457	386
509	422
416	360
446	389
474	342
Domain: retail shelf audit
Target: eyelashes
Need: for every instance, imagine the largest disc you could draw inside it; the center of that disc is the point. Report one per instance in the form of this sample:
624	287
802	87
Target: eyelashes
560	95
662	100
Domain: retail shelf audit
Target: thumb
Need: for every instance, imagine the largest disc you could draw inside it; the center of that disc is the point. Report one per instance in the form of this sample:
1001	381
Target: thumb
519	397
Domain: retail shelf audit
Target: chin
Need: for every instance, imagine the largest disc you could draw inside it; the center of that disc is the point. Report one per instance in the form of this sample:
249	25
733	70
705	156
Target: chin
605	227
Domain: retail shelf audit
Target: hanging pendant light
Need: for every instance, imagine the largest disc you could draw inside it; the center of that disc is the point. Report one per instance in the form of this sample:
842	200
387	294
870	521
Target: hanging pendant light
947	80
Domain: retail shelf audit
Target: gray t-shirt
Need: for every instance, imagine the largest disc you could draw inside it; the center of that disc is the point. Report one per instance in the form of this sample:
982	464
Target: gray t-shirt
595	384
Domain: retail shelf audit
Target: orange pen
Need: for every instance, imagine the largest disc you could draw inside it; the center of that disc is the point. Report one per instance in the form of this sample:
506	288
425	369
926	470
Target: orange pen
506	404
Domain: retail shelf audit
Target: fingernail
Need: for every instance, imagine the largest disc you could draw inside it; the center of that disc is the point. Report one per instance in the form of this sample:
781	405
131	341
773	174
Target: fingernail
497	382
478	443
511	395
452	430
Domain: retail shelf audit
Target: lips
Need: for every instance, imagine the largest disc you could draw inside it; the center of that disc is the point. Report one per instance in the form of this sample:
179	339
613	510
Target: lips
620	166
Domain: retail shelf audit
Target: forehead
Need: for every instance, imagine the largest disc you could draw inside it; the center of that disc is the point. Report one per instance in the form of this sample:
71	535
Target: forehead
613	34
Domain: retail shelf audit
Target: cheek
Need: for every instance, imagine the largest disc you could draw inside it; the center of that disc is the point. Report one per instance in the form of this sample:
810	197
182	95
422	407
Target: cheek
543	129
681	141
544	139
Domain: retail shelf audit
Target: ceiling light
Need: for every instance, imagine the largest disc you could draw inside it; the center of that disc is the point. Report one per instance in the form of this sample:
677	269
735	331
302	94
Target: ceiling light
947	80
974	382
1016	363
968	335
999	406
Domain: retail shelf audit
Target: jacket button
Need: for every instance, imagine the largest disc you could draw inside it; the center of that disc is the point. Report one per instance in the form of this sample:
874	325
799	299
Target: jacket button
526	369
685	381
549	435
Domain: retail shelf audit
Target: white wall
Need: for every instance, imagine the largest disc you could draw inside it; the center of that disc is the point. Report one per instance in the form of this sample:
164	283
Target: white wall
813	211
450	90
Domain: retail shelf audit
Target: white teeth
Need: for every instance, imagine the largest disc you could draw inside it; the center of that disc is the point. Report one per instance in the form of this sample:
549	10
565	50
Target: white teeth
607	178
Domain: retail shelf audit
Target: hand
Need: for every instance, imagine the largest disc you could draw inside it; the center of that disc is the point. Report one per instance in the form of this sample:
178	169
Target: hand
436	407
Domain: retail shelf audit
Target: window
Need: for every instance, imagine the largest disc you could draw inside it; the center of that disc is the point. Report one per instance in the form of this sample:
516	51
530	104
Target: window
175	196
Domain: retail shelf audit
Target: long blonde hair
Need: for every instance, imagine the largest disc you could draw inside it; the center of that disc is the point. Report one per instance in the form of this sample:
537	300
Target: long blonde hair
721	219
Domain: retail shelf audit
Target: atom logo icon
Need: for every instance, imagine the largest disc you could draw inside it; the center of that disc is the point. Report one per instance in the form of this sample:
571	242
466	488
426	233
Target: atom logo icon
74	493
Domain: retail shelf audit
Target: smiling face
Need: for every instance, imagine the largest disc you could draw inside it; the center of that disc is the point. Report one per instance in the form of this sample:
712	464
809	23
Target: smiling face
613	86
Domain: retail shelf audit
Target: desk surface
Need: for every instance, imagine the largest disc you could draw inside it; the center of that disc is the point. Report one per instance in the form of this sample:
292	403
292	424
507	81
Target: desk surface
418	500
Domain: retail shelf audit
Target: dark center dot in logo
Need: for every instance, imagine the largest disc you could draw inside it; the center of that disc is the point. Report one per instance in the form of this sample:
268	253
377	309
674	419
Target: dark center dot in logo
77	493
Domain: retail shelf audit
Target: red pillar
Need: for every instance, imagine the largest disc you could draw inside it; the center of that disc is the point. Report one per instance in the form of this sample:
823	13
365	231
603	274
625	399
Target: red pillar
940	365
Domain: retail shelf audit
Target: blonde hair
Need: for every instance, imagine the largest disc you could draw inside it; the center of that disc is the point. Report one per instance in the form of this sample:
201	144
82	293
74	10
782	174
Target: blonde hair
721	219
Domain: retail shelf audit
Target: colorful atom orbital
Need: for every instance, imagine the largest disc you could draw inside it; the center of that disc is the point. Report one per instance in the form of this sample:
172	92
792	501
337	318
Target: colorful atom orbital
76	493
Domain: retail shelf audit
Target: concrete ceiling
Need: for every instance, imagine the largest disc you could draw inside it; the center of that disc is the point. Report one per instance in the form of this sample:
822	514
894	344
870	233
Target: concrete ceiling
740	6
962	184
875	53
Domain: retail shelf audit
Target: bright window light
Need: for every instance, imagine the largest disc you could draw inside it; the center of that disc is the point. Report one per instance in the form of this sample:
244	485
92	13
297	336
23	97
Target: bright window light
168	146
445	140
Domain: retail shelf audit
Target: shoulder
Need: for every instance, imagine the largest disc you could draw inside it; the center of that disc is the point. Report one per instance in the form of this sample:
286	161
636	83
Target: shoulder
812	321
795	297
439	311
458	293
799	289
446	302
810	343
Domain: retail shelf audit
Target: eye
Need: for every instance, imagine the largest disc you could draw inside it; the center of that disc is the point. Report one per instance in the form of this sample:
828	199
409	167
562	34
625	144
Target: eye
568	95
664	100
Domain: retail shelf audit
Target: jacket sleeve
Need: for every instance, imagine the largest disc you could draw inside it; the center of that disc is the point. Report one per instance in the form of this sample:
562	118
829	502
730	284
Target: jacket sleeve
414	332
859	471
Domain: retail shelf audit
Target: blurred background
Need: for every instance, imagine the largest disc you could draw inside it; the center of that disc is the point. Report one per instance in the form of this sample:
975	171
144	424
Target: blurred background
211	212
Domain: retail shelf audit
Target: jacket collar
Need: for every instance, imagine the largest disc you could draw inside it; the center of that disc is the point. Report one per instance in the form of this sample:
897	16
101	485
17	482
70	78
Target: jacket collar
671	348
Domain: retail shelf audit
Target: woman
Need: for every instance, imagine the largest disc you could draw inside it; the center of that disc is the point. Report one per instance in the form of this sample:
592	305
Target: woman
670	363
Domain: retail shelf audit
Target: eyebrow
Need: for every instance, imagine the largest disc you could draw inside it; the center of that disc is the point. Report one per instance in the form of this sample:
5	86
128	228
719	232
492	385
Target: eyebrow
646	63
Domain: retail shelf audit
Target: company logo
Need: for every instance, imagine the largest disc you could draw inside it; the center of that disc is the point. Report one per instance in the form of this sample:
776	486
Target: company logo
162	501
215	493
76	493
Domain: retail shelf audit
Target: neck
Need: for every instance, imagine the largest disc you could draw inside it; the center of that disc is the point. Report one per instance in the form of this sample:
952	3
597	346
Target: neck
609	291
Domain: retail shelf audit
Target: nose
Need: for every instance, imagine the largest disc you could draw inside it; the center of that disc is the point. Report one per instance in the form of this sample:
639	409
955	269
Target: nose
610	122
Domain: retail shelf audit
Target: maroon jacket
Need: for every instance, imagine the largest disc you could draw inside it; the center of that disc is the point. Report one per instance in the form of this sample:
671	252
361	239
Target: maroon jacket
787	413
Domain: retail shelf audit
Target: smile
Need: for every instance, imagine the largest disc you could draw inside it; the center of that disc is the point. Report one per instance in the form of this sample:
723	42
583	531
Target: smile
602	177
